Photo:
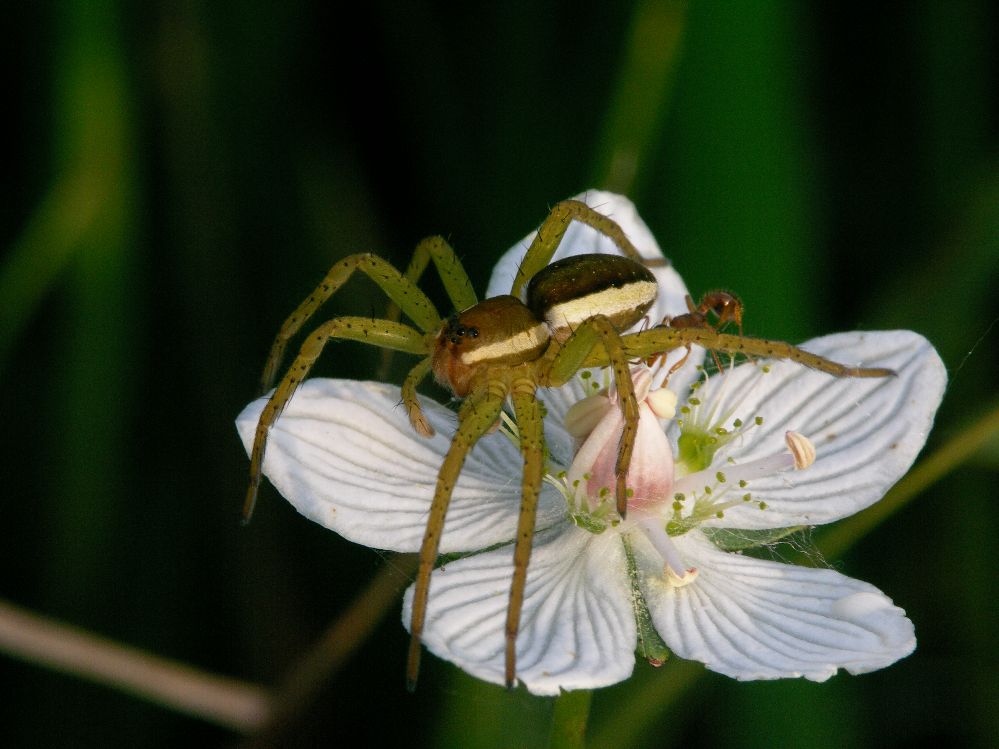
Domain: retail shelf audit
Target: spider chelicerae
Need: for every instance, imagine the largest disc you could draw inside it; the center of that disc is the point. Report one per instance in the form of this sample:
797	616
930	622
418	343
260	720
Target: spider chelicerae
557	319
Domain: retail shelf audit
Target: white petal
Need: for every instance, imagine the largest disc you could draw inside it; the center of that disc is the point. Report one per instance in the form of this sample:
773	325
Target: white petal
343	453
866	432
577	626
754	619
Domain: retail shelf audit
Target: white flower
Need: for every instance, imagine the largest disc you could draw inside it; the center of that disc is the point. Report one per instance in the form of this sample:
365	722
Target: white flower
720	475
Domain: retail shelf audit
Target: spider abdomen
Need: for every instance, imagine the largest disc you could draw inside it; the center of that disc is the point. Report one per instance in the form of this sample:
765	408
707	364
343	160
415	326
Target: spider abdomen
569	291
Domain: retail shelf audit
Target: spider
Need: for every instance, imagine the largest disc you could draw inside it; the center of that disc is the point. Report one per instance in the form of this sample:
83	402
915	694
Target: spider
504	349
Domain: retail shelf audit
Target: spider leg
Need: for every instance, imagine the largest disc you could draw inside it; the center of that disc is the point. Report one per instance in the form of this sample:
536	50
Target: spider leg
551	232
368	330
660	340
679	363
457	284
398	288
597	333
531	428
410	401
475	417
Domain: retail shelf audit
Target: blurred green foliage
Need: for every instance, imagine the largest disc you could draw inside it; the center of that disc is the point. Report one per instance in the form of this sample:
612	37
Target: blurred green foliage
179	175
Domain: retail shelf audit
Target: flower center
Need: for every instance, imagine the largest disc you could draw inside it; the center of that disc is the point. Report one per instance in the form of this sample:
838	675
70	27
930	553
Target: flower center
667	496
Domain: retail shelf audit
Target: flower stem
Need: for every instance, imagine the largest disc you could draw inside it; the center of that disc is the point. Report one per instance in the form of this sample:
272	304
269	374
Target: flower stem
317	667
42	641
572	710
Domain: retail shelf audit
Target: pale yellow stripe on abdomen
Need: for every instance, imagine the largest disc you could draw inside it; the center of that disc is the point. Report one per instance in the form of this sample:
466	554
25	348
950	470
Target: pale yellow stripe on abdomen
613	303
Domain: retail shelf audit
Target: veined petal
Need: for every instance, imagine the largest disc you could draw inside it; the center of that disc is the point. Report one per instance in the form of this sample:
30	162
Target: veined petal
344	454
755	619
577	626
866	432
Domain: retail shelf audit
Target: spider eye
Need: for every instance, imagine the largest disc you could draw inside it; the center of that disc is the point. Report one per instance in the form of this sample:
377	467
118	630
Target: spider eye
473	332
460	331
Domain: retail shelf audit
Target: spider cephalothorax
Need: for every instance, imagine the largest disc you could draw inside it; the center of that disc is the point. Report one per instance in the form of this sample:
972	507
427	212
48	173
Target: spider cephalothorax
501	351
496	332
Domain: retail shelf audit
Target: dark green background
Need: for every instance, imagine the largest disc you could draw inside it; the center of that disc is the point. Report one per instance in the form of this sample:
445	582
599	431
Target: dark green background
178	175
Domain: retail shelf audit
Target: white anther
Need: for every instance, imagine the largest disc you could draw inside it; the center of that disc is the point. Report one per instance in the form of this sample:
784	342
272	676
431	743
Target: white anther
801	448
662	402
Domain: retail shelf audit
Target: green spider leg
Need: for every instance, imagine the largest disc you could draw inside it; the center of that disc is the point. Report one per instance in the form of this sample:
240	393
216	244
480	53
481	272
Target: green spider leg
597	333
388	334
365	329
530	426
413	409
457	284
402	291
660	340
475	417
551	232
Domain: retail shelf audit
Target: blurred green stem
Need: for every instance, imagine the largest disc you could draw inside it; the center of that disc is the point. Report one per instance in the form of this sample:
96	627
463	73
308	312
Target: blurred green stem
572	710
44	249
641	94
315	669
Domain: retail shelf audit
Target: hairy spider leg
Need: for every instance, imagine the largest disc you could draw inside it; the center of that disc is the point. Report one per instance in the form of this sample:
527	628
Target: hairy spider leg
597	333
390	334
399	289
457	284
364	329
530	426
411	402
656	341
553	229
475	417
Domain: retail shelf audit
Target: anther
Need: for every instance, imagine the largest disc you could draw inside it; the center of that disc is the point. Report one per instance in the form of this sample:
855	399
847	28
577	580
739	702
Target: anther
679	581
662	402
801	448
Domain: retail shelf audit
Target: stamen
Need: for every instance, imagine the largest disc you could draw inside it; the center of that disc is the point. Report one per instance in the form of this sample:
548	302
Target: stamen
679	581
801	448
655	531
736	474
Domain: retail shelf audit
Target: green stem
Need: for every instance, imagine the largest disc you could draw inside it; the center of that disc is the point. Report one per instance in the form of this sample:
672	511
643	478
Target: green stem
318	666
572	710
641	96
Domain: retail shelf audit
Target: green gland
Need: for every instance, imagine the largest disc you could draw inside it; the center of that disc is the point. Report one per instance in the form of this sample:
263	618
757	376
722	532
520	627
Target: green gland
696	448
